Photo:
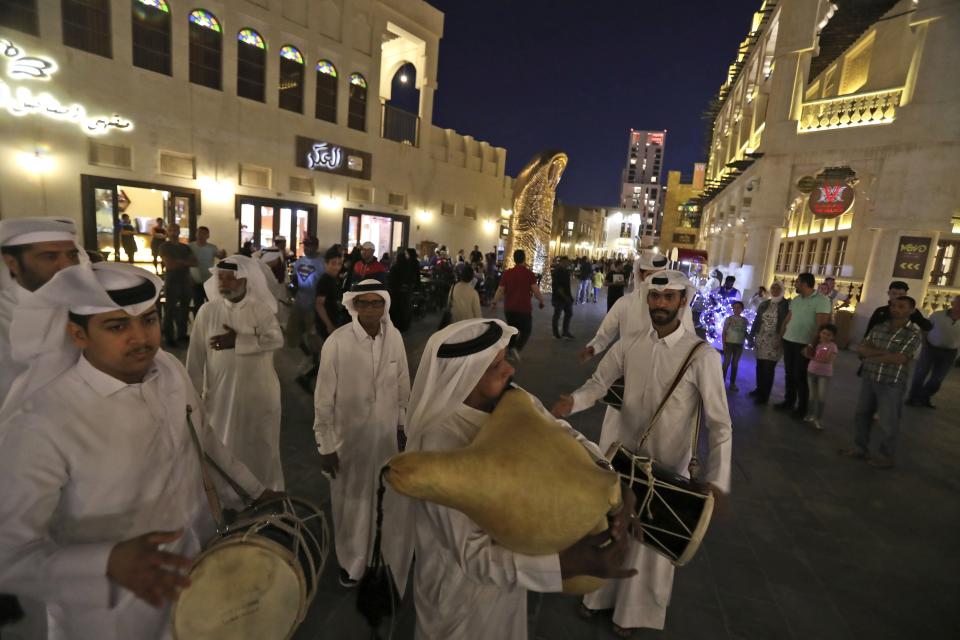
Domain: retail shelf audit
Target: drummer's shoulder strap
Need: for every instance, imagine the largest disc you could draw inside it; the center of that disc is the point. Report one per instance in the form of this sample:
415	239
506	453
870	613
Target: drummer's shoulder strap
666	396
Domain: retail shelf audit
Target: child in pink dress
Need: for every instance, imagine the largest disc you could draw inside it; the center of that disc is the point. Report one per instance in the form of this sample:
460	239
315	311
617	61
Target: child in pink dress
819	372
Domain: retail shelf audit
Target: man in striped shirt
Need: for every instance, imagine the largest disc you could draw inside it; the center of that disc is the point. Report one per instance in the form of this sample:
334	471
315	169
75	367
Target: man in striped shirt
886	354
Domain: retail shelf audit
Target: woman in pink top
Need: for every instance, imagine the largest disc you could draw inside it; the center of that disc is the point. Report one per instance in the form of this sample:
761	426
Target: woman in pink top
819	372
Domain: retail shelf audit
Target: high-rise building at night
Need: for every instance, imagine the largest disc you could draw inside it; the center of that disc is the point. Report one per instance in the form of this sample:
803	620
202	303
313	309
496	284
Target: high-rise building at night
642	187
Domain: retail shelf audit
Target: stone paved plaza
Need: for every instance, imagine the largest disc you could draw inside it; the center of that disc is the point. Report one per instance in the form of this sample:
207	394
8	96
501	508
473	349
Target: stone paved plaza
809	546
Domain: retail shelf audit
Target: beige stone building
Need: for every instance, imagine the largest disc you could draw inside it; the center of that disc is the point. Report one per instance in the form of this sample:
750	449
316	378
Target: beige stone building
256	118
849	109
681	215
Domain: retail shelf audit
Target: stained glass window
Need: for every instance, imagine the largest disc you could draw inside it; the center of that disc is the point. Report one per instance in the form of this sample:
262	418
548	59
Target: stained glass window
156	4
251	37
326	67
204	19
357	79
291	53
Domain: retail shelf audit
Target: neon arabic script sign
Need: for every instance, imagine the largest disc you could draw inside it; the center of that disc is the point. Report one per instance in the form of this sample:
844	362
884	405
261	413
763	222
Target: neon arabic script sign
21	101
324	156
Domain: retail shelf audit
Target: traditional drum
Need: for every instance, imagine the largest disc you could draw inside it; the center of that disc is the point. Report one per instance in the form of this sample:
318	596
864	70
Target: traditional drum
672	513
256	580
614	395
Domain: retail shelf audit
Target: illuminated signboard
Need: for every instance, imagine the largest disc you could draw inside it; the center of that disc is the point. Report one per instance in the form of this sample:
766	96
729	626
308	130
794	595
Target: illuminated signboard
320	155
912	253
655	138
21	101
831	198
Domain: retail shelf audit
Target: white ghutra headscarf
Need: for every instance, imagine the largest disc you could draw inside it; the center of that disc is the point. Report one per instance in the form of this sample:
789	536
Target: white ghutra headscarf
38	334
16	232
452	364
245	268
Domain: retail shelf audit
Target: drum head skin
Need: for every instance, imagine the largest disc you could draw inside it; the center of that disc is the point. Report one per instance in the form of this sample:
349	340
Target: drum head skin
241	591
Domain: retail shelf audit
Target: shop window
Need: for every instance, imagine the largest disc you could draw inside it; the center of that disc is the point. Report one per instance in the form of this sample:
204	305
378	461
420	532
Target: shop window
945	264
151	35
291	79
788	257
251	65
780	251
206	49
811	252
326	108
86	26
20	15
841	255
357	105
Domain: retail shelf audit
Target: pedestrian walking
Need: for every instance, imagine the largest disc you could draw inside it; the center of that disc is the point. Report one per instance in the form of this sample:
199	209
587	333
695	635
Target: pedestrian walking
517	285
562	298
939	353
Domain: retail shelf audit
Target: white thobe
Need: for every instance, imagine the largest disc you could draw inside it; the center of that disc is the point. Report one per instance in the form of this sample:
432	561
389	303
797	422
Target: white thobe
240	387
466	586
9	368
649	365
363	387
91	461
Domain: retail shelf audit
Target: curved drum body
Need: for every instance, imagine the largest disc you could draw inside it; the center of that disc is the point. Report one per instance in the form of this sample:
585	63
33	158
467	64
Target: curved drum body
614	395
671	511
257	579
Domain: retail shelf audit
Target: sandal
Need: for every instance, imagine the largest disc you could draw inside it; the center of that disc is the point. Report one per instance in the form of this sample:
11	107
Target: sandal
586	612
621	632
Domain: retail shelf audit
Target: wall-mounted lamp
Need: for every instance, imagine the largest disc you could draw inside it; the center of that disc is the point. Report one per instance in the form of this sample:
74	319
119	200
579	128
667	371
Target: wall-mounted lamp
331	202
424	216
216	190
39	162
489	226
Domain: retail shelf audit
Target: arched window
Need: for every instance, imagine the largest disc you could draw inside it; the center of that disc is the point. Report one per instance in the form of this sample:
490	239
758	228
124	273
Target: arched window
291	79
151	35
357	106
326	91
206	49
86	26
251	65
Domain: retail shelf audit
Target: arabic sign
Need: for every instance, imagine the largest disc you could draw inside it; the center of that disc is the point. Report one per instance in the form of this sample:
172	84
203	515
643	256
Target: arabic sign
320	155
21	101
831	198
685	238
911	257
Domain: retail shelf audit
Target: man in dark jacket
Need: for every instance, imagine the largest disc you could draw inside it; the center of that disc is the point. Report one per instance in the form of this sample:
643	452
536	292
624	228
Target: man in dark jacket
562	298
896	289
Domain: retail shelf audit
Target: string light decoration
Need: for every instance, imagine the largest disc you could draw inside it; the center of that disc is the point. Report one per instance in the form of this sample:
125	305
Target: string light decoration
713	310
534	192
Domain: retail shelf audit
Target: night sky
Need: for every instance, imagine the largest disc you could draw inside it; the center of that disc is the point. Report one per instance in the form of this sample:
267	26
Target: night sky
530	75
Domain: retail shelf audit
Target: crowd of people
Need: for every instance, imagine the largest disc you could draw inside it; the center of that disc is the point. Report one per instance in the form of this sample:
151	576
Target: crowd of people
103	507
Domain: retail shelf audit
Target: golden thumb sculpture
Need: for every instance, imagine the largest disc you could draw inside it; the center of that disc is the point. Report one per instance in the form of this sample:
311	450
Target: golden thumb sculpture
524	480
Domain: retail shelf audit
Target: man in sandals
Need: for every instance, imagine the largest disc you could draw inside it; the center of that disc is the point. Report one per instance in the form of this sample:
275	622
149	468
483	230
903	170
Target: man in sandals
650	363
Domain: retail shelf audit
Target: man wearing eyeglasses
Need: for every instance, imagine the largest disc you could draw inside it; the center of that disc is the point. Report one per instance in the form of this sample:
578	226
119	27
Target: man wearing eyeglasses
360	403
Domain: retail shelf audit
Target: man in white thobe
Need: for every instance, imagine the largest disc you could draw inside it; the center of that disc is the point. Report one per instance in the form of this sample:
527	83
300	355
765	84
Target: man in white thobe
466	586
628	317
33	250
649	362
230	361
102	504
363	387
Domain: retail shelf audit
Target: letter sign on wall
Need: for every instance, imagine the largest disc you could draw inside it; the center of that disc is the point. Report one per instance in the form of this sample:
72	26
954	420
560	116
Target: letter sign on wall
320	155
912	254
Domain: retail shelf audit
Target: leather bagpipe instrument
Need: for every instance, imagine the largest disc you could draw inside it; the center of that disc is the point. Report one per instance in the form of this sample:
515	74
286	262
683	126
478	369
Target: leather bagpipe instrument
524	480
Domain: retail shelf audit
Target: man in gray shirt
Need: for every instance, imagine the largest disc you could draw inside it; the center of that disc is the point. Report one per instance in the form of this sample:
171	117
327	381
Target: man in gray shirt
939	352
206	254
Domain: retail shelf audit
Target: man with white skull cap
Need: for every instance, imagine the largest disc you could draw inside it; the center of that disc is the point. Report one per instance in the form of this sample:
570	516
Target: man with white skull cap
465	584
230	361
103	503
649	362
361	396
33	250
